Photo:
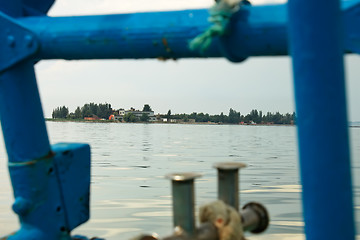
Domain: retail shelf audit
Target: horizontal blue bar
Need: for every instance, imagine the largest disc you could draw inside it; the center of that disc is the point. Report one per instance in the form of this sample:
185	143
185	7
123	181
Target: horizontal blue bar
255	31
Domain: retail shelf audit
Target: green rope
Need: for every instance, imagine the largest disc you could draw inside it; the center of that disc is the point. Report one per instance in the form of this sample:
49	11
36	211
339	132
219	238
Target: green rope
220	15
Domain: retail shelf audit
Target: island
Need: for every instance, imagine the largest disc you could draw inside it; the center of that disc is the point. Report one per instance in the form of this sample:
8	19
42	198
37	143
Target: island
103	112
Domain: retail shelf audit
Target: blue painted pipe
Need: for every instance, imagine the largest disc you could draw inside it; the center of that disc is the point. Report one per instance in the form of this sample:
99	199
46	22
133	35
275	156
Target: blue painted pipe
21	114
256	30
28	148
315	31
11	8
253	31
22	118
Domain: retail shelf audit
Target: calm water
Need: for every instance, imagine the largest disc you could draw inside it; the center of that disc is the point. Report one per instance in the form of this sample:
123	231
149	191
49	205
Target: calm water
129	161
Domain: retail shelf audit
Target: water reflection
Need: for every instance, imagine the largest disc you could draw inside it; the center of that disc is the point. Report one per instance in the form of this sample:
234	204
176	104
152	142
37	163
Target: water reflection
275	189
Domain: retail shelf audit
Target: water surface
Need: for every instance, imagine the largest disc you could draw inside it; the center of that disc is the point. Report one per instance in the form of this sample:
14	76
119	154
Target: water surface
129	194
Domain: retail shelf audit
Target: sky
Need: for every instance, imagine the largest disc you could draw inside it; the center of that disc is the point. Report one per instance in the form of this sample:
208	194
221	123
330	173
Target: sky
183	86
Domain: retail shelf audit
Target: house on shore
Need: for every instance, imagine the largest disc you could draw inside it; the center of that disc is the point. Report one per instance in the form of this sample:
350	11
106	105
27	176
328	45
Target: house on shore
137	113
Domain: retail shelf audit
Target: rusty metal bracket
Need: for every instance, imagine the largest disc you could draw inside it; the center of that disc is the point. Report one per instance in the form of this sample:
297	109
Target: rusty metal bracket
17	42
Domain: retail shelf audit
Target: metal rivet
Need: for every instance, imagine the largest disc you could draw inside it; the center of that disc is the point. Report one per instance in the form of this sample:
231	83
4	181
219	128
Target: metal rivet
21	206
29	41
11	41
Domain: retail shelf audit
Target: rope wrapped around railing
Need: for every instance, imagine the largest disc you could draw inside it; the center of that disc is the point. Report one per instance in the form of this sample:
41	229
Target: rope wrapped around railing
220	15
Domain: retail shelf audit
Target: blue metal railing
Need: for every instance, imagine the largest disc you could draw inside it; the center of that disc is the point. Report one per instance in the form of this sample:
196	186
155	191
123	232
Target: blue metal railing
317	51
319	33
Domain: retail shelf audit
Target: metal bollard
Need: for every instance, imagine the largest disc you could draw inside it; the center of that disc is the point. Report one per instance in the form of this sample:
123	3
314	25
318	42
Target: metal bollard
254	216
183	201
228	182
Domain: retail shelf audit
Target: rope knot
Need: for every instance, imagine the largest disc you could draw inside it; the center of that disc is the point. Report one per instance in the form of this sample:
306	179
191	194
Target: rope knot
220	15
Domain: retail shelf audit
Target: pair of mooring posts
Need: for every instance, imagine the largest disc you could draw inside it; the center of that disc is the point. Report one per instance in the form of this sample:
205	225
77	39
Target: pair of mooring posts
254	216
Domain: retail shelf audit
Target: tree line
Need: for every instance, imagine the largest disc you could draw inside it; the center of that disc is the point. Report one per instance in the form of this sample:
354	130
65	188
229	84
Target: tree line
233	117
60	112
87	110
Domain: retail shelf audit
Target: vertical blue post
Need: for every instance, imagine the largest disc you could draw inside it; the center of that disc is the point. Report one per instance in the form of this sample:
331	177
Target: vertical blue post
28	148
21	114
315	30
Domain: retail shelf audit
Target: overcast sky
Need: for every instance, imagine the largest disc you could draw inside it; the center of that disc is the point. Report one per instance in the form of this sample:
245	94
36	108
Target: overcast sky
184	86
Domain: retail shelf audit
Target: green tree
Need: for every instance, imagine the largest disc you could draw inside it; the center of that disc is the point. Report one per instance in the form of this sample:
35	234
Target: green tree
60	112
101	110
293	116
147	108
222	117
85	111
130	117
234	117
168	114
201	117
77	114
277	118
93	108
193	115
71	115
268	118
104	110
254	116
64	112
144	117
54	113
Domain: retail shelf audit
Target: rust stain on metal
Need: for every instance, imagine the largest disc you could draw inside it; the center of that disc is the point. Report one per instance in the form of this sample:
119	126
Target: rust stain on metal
7	237
32	162
166	44
49	155
163	59
167	48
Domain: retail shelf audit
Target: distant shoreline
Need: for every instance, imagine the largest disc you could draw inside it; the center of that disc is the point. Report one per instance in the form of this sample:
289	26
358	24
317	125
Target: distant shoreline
157	122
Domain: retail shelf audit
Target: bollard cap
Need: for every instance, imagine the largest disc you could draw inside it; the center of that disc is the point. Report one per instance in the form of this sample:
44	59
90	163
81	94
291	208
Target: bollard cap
229	165
182	177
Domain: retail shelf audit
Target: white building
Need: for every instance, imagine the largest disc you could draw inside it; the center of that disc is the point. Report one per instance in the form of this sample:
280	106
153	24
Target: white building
137	113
